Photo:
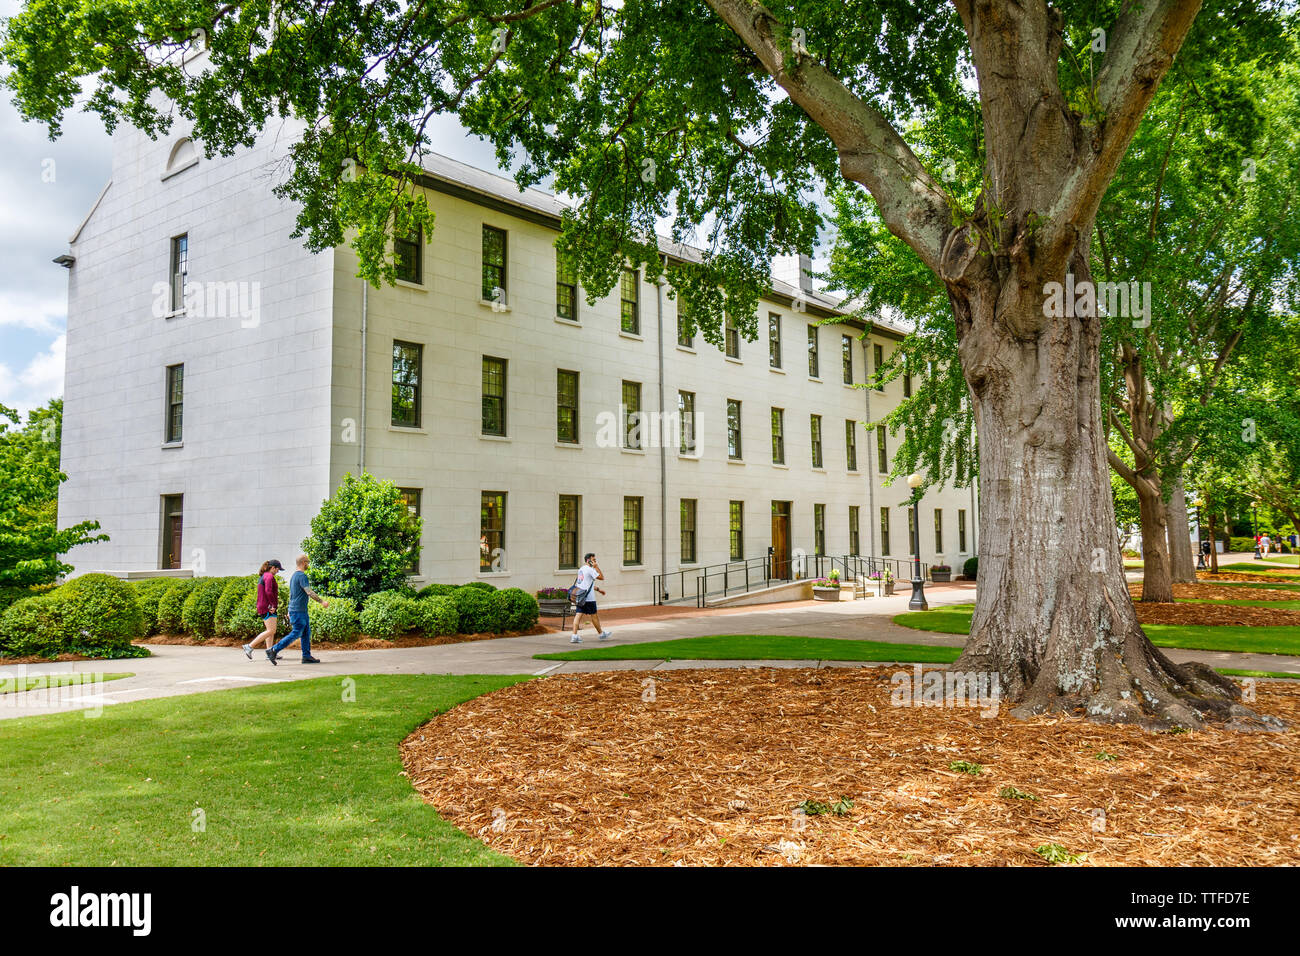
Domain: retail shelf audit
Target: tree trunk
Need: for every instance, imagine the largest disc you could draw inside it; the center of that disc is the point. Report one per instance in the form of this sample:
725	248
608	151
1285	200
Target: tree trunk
1182	561
1053	617
1157	581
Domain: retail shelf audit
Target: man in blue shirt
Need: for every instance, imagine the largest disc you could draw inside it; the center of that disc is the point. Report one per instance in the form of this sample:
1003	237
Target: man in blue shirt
299	623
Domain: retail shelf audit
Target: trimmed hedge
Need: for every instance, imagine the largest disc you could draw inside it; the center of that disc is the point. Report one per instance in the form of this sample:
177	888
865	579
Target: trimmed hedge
199	614
481	585
438	616
96	615
388	614
338	622
437	590
232	595
519	609
149	593
971	568
172	604
11	594
478	611
242	620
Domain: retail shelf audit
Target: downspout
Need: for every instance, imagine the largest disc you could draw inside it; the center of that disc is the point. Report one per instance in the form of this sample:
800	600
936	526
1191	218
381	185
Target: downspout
361	461
663	443
873	519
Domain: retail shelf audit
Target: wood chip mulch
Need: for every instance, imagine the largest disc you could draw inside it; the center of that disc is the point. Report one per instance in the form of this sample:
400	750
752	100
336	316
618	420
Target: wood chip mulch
361	644
584	769
1218	614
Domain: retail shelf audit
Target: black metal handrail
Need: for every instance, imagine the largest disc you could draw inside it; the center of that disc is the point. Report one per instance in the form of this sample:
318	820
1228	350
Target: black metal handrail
744	576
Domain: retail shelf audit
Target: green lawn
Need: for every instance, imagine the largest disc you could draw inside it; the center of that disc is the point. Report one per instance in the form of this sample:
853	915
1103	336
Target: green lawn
1283	605
285	774
9	685
1277	675
767	647
1259	567
1269	585
955	619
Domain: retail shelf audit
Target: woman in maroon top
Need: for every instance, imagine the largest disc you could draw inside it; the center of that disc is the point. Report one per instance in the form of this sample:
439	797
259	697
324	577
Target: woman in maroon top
268	600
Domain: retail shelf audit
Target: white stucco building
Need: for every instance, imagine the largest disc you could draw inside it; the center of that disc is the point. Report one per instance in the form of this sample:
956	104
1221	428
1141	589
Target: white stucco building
221	380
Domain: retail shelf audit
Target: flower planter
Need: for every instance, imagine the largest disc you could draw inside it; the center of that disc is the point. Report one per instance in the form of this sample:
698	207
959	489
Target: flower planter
826	594
940	577
881	588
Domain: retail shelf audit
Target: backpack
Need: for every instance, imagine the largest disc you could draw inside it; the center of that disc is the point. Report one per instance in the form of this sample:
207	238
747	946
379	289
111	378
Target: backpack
574	592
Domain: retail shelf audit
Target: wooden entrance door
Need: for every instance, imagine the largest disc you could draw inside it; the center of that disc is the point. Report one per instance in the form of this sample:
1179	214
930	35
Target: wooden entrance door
781	540
172	526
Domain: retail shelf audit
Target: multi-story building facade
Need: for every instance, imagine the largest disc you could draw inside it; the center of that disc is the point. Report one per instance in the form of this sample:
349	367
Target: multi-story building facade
221	380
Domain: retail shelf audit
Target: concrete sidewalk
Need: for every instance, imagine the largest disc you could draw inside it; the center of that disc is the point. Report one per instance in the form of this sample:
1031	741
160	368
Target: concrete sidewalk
178	669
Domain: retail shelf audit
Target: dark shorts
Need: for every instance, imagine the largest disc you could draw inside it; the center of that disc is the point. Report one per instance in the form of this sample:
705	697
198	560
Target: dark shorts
587	607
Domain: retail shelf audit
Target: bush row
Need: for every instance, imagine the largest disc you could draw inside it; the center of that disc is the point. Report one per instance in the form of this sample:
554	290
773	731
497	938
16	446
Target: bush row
97	615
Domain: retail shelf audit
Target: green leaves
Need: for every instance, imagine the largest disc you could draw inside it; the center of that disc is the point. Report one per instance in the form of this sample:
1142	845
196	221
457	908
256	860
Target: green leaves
363	540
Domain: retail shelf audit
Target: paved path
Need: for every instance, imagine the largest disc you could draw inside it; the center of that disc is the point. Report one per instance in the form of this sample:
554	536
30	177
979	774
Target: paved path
178	669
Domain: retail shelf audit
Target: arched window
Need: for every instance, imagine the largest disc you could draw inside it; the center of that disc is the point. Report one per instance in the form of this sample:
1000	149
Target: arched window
182	157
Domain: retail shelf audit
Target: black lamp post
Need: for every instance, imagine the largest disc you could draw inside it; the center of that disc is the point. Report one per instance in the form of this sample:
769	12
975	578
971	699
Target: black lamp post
918	602
1200	538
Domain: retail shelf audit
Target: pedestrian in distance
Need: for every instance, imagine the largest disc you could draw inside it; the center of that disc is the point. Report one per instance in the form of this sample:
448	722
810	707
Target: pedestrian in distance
581	593
268	602
299	624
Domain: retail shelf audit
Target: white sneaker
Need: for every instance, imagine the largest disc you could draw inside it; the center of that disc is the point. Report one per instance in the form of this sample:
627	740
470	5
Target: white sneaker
575	639
604	635
248	651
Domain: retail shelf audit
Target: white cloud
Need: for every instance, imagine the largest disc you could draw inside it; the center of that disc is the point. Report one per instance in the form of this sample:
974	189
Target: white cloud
38	382
38	309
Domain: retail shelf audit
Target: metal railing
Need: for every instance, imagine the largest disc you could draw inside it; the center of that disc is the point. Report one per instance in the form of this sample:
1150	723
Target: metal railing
742	576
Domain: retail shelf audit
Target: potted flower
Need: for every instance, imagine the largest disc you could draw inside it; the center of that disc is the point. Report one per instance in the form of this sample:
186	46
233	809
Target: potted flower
826	589
553	600
940	573
882	582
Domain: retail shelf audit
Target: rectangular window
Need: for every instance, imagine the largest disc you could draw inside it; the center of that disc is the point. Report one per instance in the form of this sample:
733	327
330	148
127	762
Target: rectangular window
408	256
566	406
733	338
629	293
631	414
686	422
878	359
854	540
494	265
411	497
736	529
851	444
816	430
778	436
180	271
631	531
961	530
173	430
774	339
846	358
884	532
172	523
733	429
492	531
685	325
688	530
570	512
408	359
566	288
882	451
814	364
938	531
907	386
494	396
819	529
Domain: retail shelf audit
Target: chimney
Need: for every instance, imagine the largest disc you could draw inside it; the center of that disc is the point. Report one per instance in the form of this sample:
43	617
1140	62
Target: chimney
793	270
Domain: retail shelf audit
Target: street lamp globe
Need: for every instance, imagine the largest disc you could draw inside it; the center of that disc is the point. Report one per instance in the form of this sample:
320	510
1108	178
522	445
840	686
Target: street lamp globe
914	480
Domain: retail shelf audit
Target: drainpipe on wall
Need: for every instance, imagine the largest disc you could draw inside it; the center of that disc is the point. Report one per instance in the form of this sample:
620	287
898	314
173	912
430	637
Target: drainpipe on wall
361	454
872	517
663	442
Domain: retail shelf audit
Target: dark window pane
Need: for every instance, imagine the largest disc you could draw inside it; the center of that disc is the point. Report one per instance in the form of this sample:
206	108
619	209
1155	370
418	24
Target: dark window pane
629	293
494	396
566	288
407	359
631	530
566	406
409	254
492	531
631	414
494	265
569	513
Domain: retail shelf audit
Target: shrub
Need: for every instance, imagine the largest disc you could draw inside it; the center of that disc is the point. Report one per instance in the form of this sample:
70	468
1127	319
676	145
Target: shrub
363	540
971	567
519	610
1241	544
199	614
148	593
481	585
32	626
242	620
95	614
438	616
12	594
388	614
338	622
437	590
232	595
477	610
172	603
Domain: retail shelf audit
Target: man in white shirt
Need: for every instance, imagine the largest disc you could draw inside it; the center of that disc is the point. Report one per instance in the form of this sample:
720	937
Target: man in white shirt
588	575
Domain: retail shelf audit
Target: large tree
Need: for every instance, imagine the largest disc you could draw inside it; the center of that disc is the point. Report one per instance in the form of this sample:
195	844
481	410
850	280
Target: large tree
723	114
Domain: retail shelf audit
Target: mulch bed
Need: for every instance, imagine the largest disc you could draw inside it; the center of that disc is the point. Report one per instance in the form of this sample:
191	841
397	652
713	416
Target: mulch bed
583	770
1217	614
362	644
